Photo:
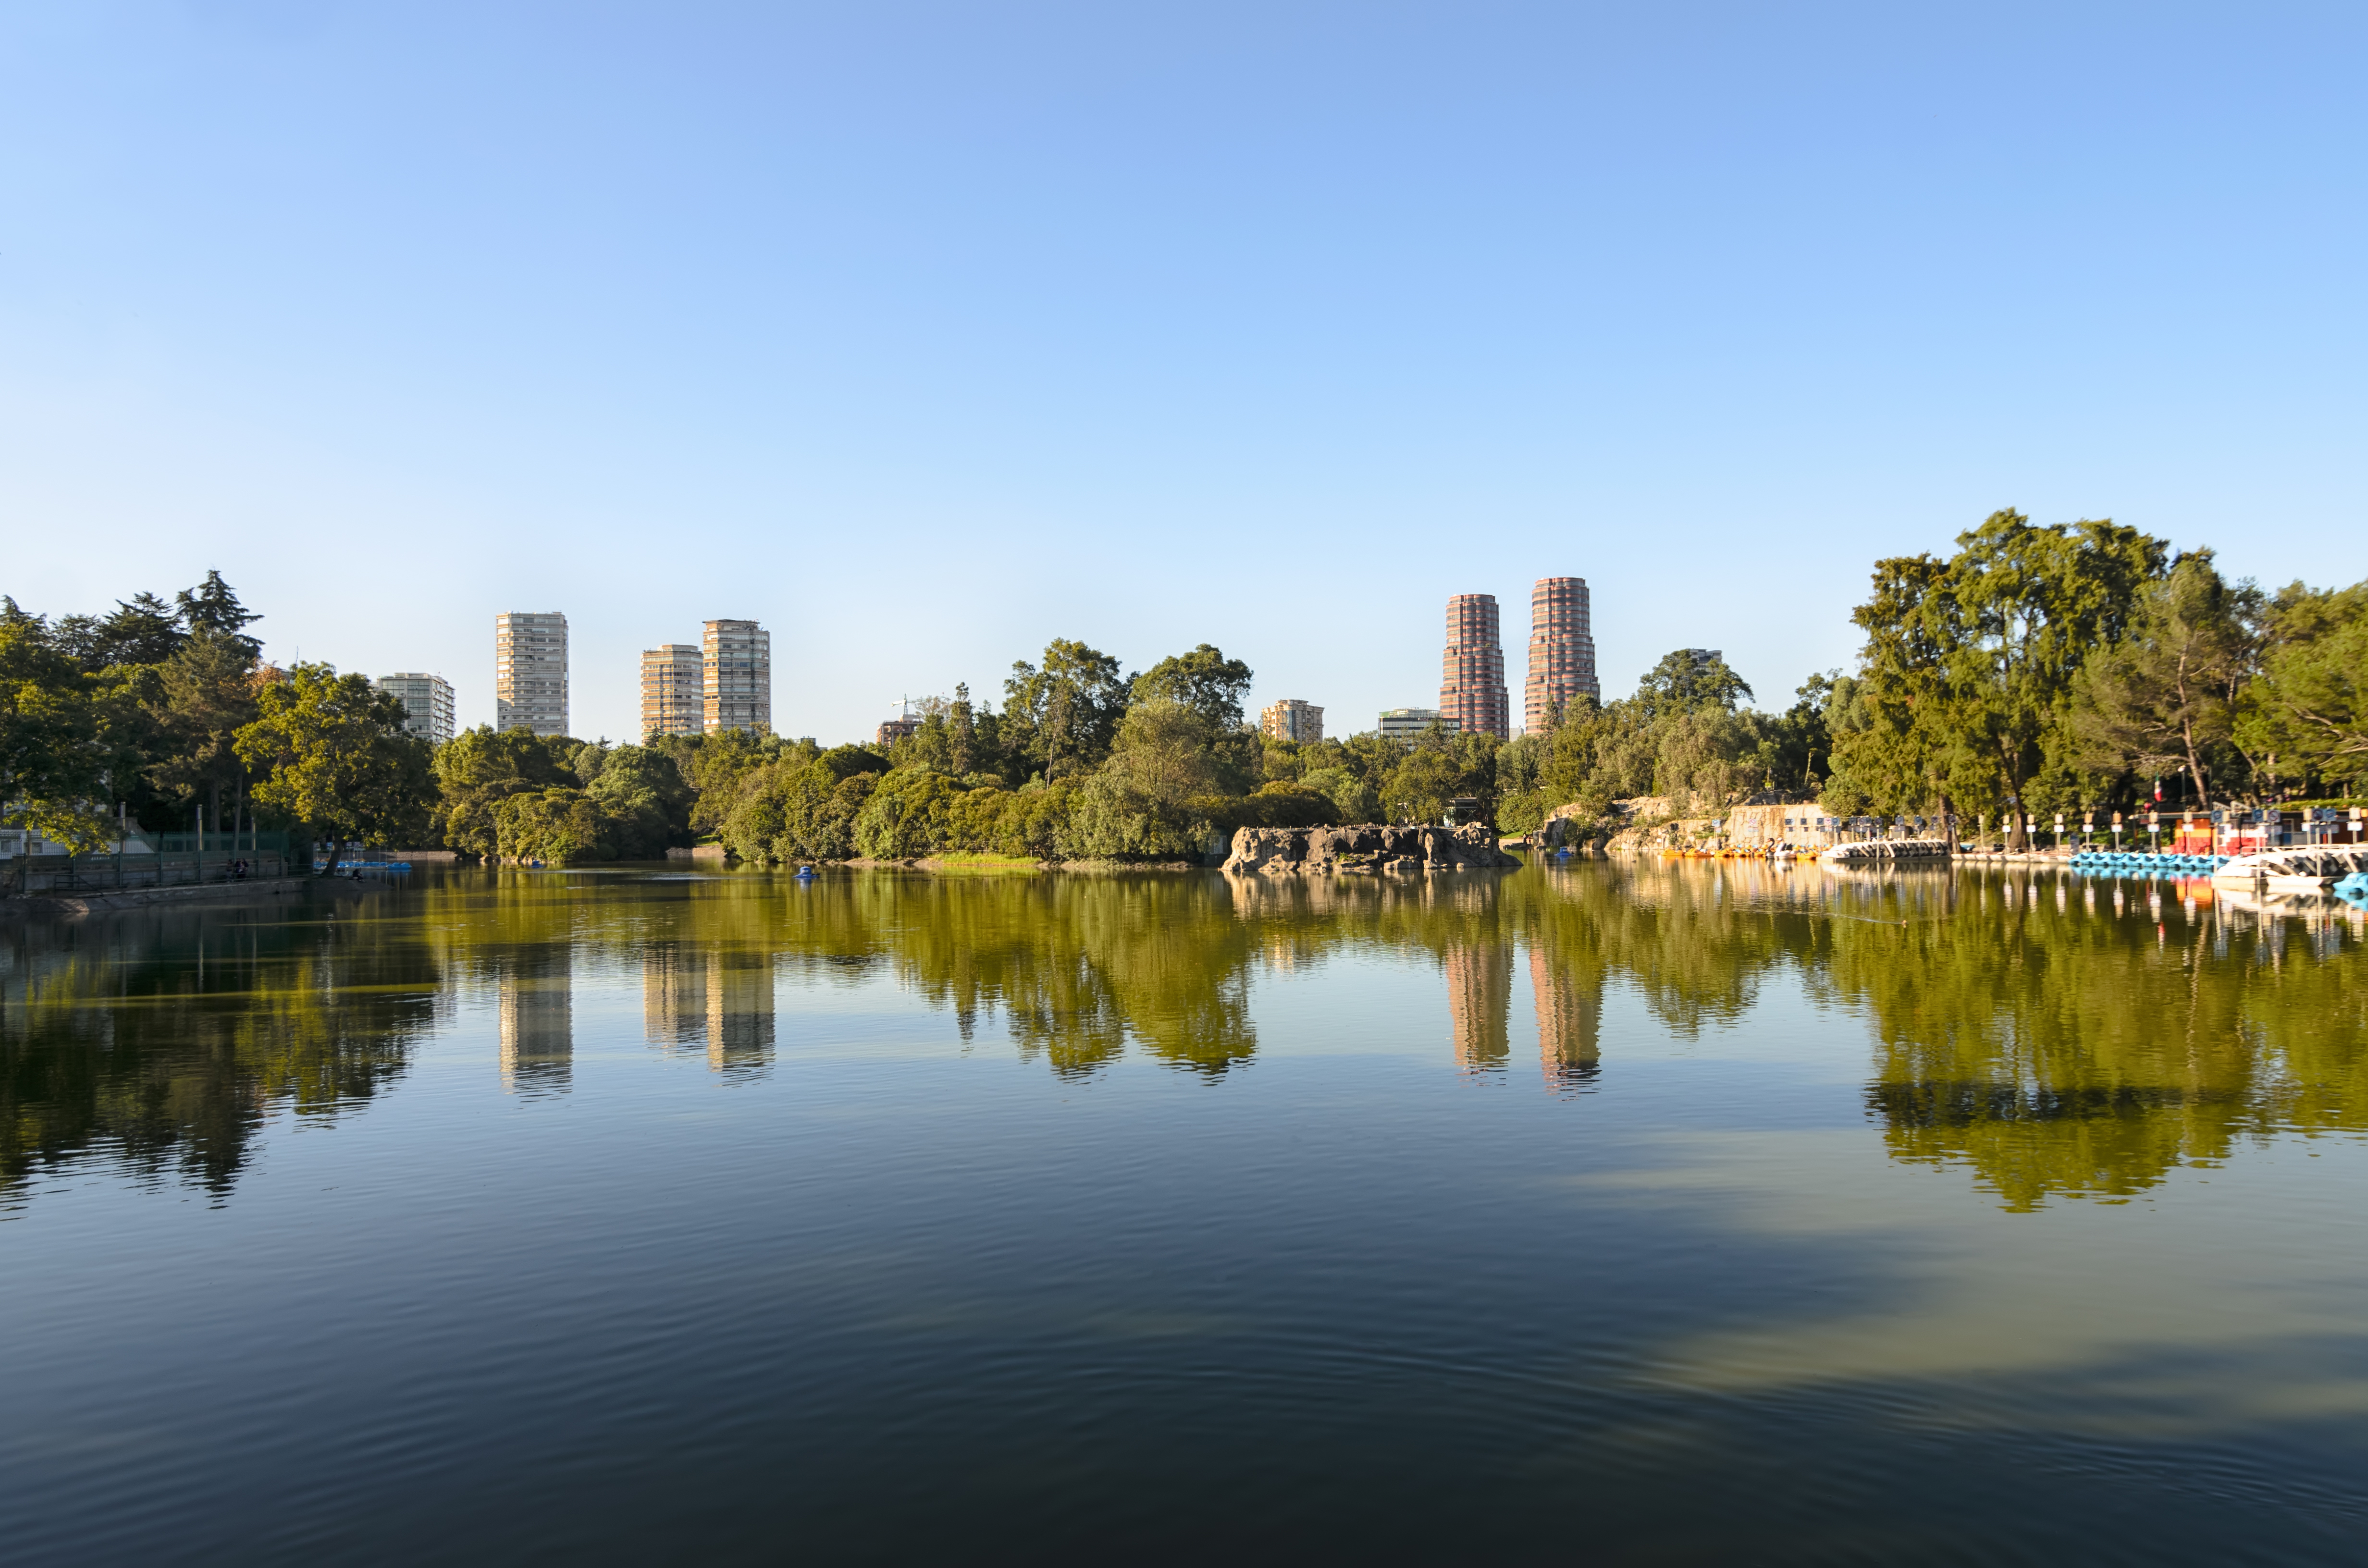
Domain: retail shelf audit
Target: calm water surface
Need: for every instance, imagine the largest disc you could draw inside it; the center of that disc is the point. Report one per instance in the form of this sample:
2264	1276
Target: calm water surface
1628	1211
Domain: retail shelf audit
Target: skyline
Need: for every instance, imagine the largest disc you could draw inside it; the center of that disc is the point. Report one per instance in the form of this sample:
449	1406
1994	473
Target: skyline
922	336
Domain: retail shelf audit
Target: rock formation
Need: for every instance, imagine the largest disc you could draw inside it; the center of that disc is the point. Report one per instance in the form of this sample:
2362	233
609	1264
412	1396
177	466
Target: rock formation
1326	851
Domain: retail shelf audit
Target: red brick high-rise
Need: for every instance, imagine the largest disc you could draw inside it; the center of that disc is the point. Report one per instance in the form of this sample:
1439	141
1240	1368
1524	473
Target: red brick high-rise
1562	650
1472	678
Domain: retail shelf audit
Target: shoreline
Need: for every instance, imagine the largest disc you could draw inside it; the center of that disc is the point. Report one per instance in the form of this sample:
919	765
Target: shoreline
75	906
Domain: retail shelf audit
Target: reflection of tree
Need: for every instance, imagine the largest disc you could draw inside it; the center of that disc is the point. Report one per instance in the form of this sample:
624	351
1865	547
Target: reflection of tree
2051	1046
2058	1050
163	1042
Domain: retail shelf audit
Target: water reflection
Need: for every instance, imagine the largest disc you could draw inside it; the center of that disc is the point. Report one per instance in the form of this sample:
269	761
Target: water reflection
2048	1035
537	1024
716	1001
163	1042
1570	1021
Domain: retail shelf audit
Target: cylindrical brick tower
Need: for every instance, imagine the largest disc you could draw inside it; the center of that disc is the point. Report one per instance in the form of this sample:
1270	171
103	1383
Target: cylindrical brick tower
1471	678
1562	650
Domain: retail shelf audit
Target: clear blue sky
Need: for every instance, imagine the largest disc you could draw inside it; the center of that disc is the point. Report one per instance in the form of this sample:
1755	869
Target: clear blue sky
926	332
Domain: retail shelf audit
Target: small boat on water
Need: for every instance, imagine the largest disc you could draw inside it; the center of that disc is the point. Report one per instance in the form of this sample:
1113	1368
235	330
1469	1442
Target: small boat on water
2307	868
1879	851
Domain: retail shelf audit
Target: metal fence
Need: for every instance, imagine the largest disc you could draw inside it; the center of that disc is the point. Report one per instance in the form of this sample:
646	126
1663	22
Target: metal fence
106	873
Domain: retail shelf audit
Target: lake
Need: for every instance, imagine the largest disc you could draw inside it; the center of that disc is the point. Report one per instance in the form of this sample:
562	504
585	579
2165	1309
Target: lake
1675	1211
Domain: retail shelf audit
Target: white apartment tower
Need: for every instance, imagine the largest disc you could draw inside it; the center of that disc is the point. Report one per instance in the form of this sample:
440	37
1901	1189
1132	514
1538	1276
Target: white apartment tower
428	701
531	672
673	690
739	671
1292	720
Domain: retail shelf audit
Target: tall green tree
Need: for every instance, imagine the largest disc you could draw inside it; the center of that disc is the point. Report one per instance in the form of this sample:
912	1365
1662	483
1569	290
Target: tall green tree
1684	681
2164	698
335	756
200	698
1060	720
1204	680
1966	685
52	755
477	771
2310	705
212	607
143	629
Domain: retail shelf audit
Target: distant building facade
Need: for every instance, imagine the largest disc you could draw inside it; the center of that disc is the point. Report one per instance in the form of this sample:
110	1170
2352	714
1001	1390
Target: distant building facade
895	729
1471	676
738	678
673	690
428	701
1562	652
1292	720
1804	827
1410	724
531	672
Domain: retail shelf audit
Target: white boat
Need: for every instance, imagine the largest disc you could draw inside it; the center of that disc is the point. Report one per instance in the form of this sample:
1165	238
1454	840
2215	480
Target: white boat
2304	869
1879	851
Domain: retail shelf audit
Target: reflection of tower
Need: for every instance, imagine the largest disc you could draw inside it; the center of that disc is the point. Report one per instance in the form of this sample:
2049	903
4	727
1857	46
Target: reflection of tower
674	994
739	1012
538	1029
1570	1020
1480	995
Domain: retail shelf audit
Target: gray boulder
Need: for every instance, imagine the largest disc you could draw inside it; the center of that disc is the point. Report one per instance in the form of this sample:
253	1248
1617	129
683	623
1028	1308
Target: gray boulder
1364	849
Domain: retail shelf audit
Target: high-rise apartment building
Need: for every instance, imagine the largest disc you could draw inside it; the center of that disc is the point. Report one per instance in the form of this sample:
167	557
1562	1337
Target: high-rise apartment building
531	672
738	678
1562	652
1292	720
1472	677
428	701
673	690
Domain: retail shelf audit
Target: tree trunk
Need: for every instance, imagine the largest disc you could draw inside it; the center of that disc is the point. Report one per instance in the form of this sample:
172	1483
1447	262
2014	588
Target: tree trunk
2194	764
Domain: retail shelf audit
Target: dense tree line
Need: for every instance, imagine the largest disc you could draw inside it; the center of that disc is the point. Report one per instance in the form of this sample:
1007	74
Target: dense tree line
163	717
2038	669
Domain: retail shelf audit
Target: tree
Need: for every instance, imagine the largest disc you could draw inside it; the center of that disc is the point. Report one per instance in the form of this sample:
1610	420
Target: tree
644	801
1687	681
1965	691
2166	695
1204	680
212	607
52	754
557	826
962	729
1163	750
338	759
478	769
1797	754
201	698
2311	703
144	630
1421	786
1061	720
